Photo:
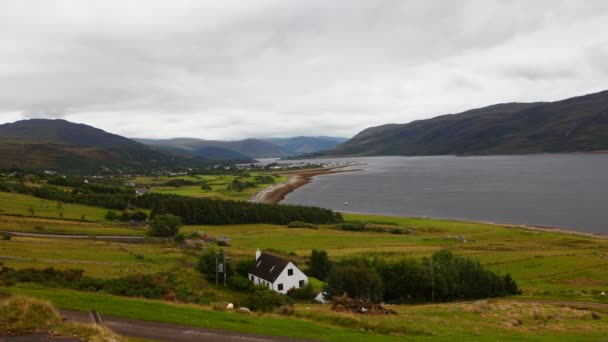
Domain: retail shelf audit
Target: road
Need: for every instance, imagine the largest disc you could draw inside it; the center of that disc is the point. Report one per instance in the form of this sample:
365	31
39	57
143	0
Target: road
68	236
171	332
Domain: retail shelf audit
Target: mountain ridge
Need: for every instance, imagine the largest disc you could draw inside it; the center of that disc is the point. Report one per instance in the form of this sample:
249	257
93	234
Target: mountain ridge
60	144
571	125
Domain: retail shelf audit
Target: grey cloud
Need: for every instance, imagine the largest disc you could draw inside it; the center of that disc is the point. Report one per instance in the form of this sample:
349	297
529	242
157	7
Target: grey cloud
234	69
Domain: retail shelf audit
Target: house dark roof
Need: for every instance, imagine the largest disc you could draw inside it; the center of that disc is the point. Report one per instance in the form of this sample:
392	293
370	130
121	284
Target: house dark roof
268	267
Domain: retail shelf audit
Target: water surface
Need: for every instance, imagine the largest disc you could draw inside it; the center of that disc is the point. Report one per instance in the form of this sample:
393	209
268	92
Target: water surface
556	190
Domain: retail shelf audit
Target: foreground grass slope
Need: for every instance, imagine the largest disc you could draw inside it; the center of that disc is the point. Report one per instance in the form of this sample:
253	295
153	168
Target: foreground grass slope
481	321
29	315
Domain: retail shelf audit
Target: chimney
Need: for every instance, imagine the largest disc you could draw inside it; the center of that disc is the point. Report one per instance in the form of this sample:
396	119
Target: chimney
257	254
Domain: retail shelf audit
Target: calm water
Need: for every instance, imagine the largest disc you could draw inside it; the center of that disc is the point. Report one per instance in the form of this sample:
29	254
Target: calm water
567	191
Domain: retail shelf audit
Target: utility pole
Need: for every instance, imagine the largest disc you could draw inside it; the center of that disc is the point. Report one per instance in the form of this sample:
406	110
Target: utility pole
216	269
432	282
224	269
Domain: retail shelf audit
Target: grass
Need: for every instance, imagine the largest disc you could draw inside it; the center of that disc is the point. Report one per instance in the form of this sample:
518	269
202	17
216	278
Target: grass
504	320
11	203
219	185
109	259
41	225
21	315
546	265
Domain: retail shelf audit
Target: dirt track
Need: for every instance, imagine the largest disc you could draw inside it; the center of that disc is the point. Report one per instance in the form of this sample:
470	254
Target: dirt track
171	332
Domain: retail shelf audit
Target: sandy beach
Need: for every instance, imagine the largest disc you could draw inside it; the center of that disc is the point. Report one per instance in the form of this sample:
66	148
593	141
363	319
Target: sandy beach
298	178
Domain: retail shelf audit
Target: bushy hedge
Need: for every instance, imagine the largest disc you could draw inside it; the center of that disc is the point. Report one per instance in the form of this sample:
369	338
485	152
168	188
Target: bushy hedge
443	277
299	224
152	286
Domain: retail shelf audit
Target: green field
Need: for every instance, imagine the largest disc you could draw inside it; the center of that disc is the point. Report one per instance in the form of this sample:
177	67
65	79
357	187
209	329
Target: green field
219	186
546	265
11	203
41	225
97	258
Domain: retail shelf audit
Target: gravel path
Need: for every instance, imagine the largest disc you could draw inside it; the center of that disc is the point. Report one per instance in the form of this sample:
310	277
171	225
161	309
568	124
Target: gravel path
171	332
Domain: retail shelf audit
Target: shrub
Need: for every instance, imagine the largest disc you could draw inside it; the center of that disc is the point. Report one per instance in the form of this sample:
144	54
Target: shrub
300	224
179	238
263	299
6	236
240	283
304	293
111	215
19	314
352	226
166	225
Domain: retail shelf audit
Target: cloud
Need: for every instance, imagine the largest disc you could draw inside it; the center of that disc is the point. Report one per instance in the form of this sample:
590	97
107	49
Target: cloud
284	67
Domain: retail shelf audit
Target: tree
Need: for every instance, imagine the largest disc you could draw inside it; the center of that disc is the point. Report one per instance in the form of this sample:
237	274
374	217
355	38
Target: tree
356	278
207	263
166	225
206	187
510	285
319	264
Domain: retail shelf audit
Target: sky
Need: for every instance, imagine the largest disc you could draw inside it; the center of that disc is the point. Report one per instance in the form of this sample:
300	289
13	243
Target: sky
229	69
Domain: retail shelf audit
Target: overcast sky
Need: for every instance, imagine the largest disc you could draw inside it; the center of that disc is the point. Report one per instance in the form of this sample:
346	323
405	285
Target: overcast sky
234	69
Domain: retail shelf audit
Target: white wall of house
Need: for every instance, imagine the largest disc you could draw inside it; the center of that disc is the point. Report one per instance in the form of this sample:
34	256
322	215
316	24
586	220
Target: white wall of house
285	281
296	280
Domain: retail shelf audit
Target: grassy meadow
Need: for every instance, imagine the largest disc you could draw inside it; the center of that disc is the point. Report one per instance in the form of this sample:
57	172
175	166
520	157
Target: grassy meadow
219	185
547	265
11	203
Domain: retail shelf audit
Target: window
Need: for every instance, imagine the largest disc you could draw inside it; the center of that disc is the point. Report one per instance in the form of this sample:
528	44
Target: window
290	272
280	287
251	278
301	283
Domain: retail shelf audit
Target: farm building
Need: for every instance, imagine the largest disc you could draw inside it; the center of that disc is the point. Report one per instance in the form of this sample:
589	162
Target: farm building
276	273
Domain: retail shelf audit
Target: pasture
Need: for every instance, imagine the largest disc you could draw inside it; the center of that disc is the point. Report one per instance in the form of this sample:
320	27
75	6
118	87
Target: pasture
220	185
11	203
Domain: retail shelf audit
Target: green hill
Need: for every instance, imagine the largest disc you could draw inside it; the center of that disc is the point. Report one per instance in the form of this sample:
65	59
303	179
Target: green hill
575	124
60	144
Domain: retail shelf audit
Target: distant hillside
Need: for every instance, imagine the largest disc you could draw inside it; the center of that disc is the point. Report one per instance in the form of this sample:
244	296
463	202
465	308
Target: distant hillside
220	153
576	124
301	145
252	148
60	144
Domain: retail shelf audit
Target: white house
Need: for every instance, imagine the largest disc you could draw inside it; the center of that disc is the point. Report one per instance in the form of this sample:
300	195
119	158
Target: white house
276	273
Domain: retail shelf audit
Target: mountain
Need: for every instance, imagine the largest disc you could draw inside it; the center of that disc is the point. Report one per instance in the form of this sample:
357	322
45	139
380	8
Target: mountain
575	124
60	144
250	148
220	153
302	145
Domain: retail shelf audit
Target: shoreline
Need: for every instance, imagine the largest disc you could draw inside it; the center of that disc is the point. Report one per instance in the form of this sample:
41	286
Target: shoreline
490	223
298	178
